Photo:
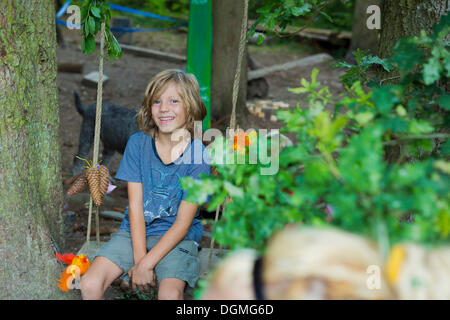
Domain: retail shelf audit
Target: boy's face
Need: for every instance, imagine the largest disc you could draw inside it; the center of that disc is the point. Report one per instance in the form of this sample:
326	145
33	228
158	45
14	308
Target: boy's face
168	111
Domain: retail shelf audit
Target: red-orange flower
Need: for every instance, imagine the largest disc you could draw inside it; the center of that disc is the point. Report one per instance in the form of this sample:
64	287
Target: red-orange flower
81	262
77	266
66	257
65	280
242	140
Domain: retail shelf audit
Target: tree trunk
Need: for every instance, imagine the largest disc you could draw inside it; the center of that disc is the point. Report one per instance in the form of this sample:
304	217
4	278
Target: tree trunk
404	18
30	176
363	37
227	21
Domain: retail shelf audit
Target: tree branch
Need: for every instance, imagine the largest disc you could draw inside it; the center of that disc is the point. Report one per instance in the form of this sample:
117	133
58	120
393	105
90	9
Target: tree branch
306	25
418	137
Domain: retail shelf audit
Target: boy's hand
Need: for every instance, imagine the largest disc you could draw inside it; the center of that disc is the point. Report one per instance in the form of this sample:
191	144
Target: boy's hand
142	277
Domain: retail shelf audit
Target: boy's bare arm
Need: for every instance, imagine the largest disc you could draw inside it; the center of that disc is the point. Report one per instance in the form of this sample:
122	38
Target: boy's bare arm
137	221
176	233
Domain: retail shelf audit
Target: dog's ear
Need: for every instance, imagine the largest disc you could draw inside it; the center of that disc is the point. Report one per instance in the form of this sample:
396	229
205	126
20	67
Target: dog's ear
79	104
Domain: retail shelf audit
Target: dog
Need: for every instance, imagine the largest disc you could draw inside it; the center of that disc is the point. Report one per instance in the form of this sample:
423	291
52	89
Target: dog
117	125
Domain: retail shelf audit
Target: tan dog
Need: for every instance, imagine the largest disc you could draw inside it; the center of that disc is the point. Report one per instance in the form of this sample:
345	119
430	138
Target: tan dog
303	263
315	263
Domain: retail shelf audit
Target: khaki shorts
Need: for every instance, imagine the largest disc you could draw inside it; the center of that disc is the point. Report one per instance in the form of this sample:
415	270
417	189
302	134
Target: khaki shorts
181	262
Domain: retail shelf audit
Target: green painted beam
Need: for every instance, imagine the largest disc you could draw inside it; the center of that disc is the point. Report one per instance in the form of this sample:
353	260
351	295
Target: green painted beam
199	50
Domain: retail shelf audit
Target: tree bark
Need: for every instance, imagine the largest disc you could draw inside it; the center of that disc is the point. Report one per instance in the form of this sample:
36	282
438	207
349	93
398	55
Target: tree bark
227	21
404	18
363	37
31	198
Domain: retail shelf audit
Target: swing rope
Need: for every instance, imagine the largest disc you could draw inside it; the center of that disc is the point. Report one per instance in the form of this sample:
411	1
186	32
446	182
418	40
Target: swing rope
237	75
98	118
232	125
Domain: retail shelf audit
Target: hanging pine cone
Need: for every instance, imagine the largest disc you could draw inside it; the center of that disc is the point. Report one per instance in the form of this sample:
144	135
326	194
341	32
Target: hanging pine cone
93	178
104	180
79	185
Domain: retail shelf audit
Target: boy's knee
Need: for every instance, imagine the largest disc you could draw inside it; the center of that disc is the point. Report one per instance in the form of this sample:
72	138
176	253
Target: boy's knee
173	294
91	288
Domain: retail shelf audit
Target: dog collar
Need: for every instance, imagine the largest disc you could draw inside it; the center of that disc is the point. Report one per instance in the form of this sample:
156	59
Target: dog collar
257	279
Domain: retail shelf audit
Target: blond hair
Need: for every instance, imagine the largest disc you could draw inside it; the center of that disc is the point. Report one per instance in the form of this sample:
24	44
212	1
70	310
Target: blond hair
189	91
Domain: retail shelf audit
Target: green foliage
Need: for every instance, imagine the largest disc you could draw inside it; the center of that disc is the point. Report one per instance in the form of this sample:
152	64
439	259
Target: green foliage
358	71
338	173
139	295
93	14
320	13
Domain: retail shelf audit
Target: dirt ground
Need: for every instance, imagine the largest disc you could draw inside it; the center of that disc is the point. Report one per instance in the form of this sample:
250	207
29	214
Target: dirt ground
128	78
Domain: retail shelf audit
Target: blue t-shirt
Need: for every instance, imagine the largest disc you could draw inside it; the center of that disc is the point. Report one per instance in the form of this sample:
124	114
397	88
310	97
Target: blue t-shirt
162	192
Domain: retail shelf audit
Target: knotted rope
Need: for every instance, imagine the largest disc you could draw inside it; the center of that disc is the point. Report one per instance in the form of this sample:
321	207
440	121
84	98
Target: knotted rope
98	119
232	125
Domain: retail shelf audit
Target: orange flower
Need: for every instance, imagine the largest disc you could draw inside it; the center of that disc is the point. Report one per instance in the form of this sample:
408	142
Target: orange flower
66	257
242	140
78	265
65	280
81	262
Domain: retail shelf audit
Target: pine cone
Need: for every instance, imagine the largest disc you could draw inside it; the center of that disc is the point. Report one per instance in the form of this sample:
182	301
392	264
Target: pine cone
78	186
104	179
93	178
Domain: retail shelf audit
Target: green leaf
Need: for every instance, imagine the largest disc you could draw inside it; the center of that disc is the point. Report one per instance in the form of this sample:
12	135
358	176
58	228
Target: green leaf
444	101
369	60
114	49
260	38
359	55
91	25
426	145
326	16
106	12
86	31
317	173
299	11
232	190
418	126
431	70
445	148
314	74
443	24
396	124
343	64
217	200
95	12
361	164
364	118
88	44
288	4
298	90
406	54
384	98
265	9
